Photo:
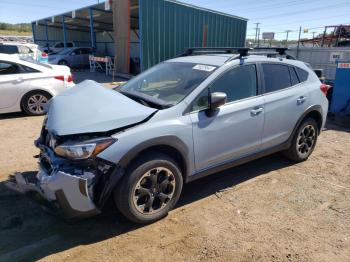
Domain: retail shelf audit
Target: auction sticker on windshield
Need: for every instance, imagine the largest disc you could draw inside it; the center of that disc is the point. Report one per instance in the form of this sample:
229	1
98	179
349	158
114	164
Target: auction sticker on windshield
204	68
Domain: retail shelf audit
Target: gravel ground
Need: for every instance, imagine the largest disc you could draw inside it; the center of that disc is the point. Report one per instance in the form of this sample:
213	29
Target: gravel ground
267	210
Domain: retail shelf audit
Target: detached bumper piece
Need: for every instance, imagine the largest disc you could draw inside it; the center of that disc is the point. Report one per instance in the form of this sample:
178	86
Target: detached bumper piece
67	193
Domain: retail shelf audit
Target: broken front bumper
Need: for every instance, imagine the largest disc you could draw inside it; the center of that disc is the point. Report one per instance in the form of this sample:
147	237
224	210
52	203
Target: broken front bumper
65	192
68	193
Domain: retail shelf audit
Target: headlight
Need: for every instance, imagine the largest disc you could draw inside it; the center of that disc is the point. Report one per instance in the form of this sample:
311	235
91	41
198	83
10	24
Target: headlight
85	149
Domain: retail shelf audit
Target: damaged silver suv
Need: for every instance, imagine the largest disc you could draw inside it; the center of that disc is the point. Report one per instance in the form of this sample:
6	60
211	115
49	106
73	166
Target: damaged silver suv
183	119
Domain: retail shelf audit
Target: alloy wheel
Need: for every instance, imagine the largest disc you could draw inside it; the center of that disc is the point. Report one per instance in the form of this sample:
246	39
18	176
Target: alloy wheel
154	190
306	140
36	104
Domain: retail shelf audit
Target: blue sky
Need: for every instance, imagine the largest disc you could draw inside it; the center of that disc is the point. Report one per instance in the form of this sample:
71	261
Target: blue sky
274	15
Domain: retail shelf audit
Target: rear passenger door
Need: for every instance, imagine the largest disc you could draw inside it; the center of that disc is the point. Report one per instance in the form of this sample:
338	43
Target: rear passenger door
285	100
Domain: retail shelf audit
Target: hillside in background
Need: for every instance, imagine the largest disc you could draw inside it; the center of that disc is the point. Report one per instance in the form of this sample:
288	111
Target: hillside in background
15	29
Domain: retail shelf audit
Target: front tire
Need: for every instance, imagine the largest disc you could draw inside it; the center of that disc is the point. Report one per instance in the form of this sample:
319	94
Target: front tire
150	189
34	103
304	141
63	62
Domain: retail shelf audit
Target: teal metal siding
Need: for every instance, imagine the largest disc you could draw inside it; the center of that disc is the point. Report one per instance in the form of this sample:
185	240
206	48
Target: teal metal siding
167	28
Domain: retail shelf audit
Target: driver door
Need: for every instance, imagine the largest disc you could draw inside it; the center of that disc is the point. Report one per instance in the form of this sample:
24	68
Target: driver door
75	58
235	129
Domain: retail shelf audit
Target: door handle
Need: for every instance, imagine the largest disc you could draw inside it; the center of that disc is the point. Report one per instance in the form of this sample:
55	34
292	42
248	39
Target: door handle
19	80
301	100
256	111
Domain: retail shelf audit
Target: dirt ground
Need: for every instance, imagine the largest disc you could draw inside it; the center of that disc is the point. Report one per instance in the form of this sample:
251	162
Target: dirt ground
267	210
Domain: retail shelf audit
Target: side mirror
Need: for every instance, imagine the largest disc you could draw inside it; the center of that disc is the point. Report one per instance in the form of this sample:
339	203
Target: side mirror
216	100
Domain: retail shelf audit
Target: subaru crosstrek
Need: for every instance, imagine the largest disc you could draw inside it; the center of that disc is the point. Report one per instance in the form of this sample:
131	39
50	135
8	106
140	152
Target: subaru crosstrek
178	121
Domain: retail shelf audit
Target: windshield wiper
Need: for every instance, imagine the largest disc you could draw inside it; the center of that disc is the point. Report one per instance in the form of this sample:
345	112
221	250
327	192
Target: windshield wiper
159	103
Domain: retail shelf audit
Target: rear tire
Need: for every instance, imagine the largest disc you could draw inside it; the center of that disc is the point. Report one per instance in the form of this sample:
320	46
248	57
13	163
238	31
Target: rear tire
150	188
34	103
304	141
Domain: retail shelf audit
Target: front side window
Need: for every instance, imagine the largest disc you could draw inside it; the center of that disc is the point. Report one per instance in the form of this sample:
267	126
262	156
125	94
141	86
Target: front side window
276	77
77	51
85	51
166	83
238	83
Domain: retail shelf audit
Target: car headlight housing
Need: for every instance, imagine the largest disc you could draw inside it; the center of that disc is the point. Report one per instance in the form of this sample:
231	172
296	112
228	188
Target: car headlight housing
85	149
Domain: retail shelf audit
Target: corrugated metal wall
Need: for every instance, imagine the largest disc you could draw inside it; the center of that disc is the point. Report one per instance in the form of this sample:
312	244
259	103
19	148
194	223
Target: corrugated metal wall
104	41
167	28
322	58
56	34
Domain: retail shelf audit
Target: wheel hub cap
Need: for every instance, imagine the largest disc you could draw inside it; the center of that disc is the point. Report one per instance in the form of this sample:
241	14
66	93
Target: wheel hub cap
306	140
36	104
154	190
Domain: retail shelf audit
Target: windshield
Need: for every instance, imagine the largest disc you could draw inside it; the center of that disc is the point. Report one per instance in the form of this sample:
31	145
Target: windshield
168	82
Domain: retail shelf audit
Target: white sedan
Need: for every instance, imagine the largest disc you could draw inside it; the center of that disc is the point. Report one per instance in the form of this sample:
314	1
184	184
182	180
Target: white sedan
28	86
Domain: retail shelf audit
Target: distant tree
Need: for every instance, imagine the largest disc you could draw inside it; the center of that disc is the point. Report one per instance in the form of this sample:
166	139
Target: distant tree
23	27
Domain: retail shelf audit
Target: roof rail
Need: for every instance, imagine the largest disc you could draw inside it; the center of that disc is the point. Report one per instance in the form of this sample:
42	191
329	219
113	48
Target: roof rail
279	50
242	51
239	52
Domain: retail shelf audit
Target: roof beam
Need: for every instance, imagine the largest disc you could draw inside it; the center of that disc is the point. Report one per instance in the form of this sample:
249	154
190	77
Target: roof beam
88	20
102	10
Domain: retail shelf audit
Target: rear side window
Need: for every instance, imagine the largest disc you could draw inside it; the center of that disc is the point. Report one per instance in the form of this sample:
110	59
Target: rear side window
69	44
27	69
302	74
9	68
293	76
276	77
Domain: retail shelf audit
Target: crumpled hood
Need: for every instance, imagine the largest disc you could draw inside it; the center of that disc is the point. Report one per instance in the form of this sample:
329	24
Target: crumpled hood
89	108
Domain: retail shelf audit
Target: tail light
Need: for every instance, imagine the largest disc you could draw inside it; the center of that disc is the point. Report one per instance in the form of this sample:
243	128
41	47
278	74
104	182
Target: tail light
324	88
59	78
43	54
62	78
70	79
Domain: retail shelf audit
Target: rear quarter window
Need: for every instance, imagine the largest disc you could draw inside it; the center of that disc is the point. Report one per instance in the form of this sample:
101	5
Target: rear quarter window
302	74
293	76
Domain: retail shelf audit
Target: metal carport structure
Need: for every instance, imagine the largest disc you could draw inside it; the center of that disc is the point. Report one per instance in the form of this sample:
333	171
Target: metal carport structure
89	26
148	31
